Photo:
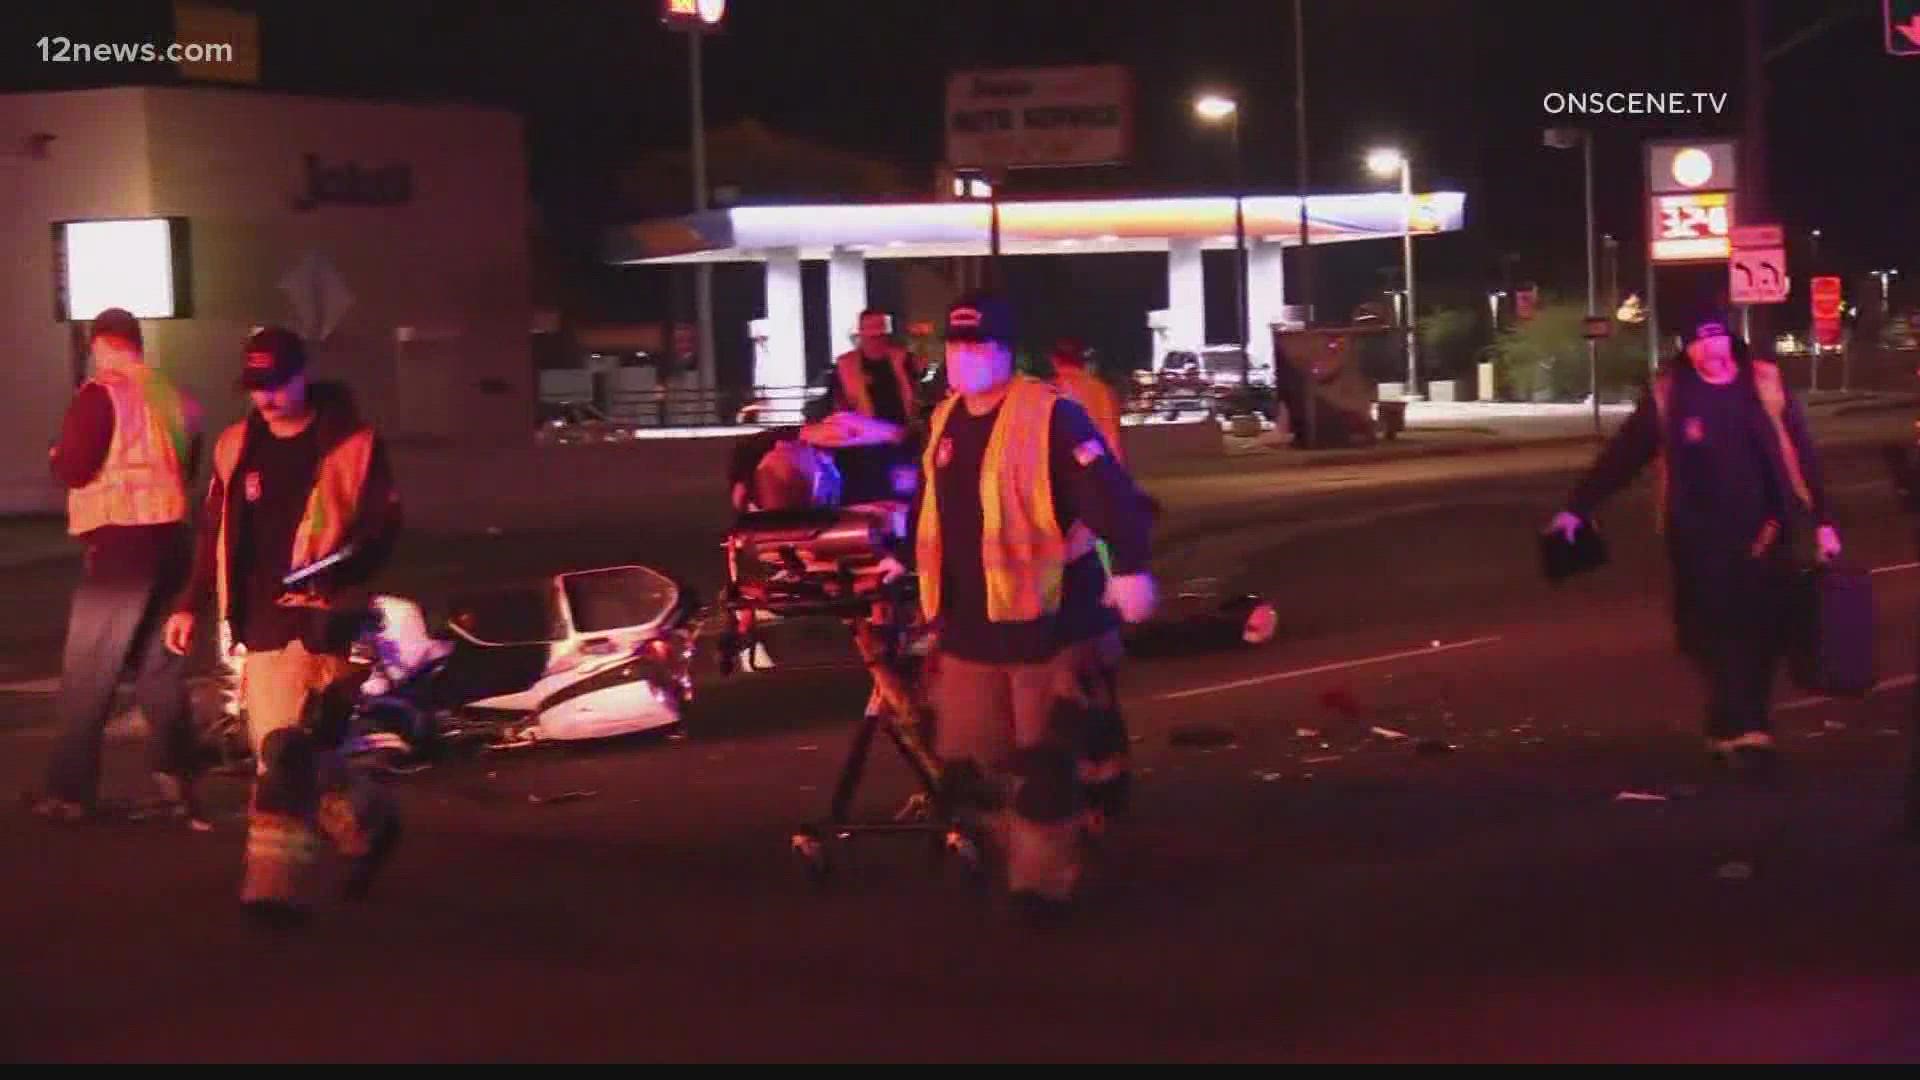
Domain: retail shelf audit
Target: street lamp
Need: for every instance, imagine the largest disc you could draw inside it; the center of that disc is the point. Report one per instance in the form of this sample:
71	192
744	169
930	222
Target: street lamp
1216	109
1566	139
1386	162
1884	276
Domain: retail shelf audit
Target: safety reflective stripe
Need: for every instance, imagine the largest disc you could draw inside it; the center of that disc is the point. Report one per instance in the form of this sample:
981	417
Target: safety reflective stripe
277	838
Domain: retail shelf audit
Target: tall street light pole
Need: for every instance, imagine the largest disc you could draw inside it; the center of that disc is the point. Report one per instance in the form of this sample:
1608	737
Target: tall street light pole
703	273
1564	139
1385	163
1214	109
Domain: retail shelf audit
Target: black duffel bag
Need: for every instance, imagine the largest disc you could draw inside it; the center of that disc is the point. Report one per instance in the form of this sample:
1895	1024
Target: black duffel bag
1832	648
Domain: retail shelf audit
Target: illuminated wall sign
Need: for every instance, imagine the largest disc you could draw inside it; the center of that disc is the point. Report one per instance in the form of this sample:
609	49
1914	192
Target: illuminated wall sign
139	264
1036	118
1692	227
693	14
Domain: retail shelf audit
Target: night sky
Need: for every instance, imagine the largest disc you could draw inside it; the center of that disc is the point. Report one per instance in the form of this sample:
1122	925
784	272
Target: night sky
1459	83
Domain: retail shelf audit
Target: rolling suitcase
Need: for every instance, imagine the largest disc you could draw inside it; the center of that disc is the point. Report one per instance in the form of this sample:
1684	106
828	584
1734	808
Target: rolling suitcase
1833	651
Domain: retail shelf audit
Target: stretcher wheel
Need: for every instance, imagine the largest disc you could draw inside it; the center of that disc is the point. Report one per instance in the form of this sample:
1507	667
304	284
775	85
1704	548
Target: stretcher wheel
811	850
963	853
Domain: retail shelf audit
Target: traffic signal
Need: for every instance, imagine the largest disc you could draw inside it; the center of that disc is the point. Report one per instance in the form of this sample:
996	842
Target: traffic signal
1902	26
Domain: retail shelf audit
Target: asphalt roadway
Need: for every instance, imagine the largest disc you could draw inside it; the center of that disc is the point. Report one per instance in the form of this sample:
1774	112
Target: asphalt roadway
1396	833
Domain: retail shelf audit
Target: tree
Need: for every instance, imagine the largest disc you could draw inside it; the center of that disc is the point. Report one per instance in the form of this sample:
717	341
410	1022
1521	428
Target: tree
1446	341
1545	358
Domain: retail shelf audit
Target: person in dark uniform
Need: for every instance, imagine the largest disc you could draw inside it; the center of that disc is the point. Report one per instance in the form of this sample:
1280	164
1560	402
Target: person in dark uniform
1743	507
1017	485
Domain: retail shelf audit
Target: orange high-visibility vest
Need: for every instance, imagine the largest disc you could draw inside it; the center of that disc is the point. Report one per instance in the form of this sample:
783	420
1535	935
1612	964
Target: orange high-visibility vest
1092	393
1773	398
140	482
1022	546
332	504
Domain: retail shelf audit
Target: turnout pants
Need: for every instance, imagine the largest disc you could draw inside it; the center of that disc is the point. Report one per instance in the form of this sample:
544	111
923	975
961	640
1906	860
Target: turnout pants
1010	739
305	795
1106	773
115	625
1737	623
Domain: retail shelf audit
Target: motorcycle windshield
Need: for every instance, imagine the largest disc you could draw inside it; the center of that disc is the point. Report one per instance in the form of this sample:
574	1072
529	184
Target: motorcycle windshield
618	598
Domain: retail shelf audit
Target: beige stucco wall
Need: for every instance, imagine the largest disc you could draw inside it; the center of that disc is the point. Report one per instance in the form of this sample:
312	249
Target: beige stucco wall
451	263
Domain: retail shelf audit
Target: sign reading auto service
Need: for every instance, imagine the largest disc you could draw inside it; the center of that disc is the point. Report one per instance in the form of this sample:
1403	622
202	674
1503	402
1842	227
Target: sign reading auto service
1037	118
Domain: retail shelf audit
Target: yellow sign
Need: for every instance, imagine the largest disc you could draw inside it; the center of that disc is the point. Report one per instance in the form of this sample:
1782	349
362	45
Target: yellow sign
230	40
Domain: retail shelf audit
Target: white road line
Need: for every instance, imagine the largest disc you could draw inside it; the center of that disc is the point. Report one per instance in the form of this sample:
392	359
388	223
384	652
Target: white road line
1864	485
1895	568
1894	683
1284	676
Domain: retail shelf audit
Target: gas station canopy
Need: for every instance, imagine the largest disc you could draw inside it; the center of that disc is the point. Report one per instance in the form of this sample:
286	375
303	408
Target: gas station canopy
783	238
958	229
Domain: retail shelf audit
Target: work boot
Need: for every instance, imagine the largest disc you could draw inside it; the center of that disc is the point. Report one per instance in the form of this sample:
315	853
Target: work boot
276	915
363	869
182	802
63	811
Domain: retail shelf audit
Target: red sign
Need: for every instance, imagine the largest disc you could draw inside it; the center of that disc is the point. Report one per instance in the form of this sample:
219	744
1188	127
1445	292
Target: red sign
1826	310
683	341
1692	227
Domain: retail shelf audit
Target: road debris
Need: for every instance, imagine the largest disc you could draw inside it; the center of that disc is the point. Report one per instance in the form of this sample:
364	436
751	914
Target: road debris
1266	777
563	797
1202	736
1639	796
1387	733
1305	733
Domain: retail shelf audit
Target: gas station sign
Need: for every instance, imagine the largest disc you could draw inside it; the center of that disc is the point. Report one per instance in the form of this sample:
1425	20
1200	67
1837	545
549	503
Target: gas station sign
1693	227
1690	200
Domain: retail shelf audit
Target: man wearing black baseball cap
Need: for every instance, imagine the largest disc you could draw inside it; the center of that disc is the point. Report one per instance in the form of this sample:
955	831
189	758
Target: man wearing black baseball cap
1018	485
301	483
128	450
1741	499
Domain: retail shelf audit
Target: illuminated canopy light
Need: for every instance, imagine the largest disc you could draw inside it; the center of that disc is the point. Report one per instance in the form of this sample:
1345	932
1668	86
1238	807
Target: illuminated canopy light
945	229
124	263
1692	167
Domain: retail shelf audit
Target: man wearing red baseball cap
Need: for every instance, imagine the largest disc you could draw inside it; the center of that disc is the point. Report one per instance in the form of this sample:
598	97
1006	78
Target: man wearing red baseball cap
301	485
